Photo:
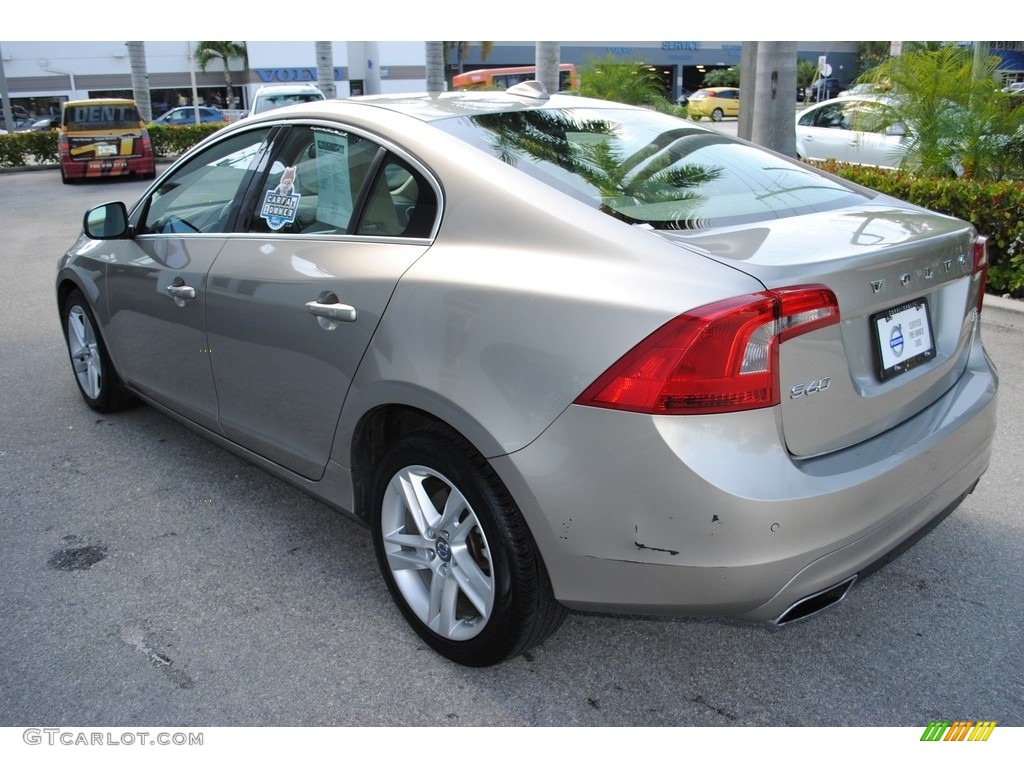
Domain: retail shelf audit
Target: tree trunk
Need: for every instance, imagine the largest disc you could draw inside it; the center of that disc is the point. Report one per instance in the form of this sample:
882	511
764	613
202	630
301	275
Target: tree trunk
325	68
140	79
435	67
548	55
748	88
774	123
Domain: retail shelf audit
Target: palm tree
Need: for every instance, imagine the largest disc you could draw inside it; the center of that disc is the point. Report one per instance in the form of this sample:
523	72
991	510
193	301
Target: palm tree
548	55
461	51
140	79
955	116
224	50
437	54
806	71
325	68
774	88
630	82
435	59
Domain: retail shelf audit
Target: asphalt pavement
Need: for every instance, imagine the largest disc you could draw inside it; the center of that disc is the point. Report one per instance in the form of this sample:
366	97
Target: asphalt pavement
151	577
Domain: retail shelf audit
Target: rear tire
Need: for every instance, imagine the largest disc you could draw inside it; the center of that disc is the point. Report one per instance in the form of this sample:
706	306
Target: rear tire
456	554
97	380
717	115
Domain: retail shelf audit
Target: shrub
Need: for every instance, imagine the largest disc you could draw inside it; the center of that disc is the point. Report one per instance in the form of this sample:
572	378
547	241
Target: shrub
171	140
995	208
40	147
627	82
19	149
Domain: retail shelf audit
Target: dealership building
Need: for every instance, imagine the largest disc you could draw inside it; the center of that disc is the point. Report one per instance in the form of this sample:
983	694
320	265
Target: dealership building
40	76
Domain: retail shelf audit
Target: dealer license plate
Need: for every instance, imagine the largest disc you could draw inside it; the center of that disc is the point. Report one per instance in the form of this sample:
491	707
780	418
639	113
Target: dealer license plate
903	338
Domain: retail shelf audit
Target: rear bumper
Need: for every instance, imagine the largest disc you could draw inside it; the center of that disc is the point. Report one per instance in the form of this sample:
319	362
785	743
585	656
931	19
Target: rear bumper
711	515
114	166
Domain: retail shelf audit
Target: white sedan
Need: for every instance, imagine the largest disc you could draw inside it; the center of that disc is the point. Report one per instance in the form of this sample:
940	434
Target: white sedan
848	129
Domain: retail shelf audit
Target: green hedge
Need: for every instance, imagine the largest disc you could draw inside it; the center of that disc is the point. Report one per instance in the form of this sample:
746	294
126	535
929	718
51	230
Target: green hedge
40	148
171	140
20	149
995	208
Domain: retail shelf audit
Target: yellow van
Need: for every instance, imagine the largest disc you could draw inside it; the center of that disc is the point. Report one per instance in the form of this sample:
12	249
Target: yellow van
104	137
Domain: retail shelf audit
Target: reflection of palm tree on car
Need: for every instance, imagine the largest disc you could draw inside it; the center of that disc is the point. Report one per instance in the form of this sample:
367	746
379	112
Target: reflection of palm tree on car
590	150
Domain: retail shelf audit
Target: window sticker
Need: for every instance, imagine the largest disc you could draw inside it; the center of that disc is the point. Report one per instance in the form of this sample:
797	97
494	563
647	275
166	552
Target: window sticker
334	203
282	202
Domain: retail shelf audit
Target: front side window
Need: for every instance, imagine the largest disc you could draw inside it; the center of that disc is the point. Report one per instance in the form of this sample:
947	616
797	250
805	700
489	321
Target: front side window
199	196
829	116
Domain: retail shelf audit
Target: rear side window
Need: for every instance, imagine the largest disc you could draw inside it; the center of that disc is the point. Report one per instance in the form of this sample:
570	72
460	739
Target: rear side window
331	182
101	117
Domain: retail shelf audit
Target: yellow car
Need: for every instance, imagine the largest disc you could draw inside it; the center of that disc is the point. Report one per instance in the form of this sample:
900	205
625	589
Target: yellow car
715	103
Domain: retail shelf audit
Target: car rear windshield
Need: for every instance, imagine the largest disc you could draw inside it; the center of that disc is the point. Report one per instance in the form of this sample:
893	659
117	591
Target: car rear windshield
285	99
101	117
648	168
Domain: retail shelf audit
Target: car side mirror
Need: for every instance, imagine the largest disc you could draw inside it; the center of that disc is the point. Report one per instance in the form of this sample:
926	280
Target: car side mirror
896	129
106	222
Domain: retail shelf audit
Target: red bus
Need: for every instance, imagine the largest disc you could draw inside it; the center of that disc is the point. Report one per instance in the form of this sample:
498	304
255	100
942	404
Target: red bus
505	77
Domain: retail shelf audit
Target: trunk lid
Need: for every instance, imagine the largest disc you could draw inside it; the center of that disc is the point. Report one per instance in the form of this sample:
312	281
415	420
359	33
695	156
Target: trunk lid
907	290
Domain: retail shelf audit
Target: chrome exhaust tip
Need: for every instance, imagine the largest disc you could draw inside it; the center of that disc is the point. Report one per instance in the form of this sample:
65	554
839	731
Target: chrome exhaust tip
812	604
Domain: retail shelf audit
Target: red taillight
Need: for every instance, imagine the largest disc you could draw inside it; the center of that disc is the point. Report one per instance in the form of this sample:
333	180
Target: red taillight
715	359
979	271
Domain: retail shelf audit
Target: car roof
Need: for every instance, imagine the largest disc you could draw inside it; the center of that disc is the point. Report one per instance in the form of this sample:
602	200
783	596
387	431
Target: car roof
428	107
80	102
439	106
296	88
857	98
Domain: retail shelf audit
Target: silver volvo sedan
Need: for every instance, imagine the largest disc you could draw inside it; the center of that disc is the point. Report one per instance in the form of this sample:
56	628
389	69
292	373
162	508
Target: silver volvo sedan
555	353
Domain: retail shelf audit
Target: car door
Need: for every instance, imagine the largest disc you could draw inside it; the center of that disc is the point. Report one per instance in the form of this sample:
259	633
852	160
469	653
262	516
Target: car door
293	302
156	281
823	133
731	102
879	141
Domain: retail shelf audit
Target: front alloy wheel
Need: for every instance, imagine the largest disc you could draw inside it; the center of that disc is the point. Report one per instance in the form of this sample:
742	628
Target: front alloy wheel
456	554
97	380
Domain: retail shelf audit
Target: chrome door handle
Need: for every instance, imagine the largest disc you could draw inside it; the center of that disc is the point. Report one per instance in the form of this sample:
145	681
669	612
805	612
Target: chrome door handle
181	291
338	312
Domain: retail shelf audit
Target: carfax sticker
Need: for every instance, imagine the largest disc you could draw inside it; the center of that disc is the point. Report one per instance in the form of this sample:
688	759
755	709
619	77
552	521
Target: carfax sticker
281	203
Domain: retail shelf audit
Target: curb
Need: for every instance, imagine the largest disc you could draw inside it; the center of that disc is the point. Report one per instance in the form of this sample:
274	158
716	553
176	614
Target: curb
1000	302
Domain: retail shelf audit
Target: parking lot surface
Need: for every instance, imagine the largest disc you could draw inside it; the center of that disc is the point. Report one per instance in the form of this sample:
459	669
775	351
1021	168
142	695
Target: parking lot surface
151	577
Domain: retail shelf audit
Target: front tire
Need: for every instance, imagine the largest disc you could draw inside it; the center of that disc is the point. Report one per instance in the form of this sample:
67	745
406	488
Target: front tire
717	115
94	372
456	554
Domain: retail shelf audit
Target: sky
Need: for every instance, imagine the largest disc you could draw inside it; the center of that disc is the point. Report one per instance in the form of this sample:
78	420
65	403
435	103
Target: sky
579	20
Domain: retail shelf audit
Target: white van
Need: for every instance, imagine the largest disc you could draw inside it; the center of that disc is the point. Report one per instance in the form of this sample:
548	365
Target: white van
273	96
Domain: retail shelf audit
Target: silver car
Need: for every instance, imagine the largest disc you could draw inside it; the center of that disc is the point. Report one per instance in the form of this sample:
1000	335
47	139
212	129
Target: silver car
556	353
851	129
